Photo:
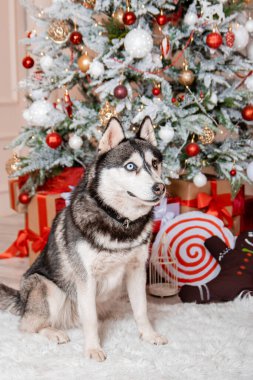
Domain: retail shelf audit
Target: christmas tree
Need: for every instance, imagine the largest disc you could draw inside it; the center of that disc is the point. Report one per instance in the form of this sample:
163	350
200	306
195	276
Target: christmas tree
186	64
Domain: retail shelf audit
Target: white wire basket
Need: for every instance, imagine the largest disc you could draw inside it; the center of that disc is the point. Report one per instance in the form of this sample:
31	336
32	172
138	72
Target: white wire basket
159	285
162	277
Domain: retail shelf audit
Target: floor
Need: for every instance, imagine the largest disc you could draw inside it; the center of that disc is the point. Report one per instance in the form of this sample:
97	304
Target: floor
11	270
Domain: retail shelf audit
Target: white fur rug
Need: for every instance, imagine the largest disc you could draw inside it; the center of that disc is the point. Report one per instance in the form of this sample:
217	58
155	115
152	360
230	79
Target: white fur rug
205	342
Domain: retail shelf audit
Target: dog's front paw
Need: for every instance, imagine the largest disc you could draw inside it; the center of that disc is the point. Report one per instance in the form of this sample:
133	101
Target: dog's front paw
154	338
96	354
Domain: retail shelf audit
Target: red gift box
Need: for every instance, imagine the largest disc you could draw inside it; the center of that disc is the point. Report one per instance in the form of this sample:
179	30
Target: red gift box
40	213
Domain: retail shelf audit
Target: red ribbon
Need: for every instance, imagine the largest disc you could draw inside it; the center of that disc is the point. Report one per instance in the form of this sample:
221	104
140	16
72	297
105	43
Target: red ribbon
19	247
215	204
39	242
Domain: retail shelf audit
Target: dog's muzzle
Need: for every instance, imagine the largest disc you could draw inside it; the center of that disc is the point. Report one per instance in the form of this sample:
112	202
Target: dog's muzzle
158	188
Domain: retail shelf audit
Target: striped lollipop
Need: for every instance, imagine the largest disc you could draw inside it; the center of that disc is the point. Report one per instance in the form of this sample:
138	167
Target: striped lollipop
182	239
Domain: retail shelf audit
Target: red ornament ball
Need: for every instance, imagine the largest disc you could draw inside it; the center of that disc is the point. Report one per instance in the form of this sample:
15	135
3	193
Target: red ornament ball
76	38
120	91
232	172
247	112
53	140
173	100
24	198
156	91
161	19
214	40
28	62
192	149
129	18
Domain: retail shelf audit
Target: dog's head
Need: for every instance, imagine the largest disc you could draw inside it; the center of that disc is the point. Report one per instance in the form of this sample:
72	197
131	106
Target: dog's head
128	171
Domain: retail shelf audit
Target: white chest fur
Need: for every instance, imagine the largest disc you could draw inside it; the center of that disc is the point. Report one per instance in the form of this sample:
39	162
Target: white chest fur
109	268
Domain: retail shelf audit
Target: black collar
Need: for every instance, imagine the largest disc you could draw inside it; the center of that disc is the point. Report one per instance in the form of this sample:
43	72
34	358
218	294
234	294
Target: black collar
125	222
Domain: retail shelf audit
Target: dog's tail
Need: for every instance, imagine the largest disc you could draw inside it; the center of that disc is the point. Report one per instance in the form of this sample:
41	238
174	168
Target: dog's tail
10	300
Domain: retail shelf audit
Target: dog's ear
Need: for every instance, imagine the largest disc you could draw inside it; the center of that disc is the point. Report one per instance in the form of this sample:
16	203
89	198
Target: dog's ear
112	136
146	131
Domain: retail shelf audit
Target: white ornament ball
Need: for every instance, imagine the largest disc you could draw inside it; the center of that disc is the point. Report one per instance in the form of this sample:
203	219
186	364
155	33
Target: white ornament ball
166	134
213	101
249	83
241	37
40	112
200	180
138	43
39	93
249	25
26	115
190	18
75	142
250	171
46	62
96	69
250	51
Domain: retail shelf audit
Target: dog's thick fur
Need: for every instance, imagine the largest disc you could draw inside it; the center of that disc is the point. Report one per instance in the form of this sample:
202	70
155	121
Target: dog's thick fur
95	243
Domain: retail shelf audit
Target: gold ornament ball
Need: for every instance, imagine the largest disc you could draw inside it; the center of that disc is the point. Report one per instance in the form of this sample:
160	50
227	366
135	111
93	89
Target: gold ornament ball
118	16
11	165
106	112
59	31
89	4
186	77
84	62
207	137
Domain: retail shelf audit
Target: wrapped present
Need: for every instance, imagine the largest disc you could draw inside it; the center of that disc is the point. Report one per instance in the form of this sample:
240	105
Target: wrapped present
167	207
40	212
15	184
214	198
45	205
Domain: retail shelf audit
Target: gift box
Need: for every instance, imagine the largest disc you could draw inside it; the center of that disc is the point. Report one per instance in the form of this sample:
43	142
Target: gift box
214	198
15	184
169	205
40	213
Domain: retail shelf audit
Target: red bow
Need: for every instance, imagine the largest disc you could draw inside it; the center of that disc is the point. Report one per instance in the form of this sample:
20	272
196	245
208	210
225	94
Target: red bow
39	242
215	203
19	247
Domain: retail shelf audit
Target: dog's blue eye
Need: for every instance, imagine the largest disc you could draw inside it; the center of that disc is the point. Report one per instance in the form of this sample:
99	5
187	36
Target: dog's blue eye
130	166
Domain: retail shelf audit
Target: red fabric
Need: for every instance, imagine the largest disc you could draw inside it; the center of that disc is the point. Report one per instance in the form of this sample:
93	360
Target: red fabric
60	183
59	204
174	17
239	203
215	204
247	219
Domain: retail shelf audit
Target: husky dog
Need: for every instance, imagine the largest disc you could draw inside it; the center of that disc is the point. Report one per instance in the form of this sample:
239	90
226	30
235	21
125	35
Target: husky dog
101	238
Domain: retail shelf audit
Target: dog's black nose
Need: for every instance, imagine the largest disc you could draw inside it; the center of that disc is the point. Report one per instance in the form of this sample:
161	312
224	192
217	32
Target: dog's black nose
158	188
